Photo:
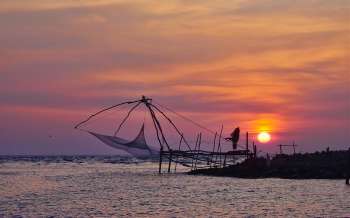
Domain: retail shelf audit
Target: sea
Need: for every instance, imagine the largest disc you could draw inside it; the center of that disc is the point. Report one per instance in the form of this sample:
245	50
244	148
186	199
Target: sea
112	186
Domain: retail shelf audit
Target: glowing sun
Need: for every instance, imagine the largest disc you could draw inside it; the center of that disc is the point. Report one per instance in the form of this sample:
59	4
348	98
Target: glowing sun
264	137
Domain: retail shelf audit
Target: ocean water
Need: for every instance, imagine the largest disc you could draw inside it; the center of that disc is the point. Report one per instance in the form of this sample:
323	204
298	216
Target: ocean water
95	188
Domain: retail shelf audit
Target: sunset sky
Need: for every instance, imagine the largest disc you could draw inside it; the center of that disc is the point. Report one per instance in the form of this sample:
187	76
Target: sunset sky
278	66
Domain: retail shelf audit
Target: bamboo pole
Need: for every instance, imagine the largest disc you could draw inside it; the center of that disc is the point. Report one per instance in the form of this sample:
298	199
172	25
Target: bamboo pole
347	180
159	127
170	121
225	160
254	148
170	158
126	117
160	159
103	110
280	149
219	146
247	143
212	155
194	154
293	148
177	156
199	147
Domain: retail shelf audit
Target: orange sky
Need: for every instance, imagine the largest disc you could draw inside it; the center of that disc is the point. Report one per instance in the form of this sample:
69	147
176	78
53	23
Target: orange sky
280	66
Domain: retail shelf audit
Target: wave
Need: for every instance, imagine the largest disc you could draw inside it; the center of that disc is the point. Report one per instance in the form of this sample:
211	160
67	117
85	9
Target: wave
115	159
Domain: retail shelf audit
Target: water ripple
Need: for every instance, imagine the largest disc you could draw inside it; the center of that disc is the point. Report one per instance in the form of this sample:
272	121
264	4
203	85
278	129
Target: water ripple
136	190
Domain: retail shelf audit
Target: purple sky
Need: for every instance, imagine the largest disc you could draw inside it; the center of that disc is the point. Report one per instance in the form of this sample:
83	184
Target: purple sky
263	65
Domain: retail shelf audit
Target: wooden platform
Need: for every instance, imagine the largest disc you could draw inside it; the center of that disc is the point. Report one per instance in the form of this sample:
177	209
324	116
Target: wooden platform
200	159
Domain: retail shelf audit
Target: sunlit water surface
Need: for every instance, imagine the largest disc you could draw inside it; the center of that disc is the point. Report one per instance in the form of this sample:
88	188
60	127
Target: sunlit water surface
136	190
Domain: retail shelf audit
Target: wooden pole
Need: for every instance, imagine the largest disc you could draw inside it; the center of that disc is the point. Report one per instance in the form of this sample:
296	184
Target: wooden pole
194	152
212	155
177	156
280	149
171	122
347	180
220	157
199	147
247	141
254	148
225	160
294	147
219	146
170	158
160	159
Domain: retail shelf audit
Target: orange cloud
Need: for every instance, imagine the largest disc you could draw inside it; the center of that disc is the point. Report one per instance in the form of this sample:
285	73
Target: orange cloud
262	65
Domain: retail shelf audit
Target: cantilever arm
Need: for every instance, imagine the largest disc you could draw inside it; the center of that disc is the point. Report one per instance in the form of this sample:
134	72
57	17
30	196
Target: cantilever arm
172	123
127	116
157	127
101	111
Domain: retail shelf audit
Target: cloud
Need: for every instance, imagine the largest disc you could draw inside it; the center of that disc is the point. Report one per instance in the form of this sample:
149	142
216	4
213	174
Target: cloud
248	62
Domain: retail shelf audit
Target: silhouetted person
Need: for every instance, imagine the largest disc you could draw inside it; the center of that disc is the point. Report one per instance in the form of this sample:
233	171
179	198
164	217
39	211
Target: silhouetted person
234	138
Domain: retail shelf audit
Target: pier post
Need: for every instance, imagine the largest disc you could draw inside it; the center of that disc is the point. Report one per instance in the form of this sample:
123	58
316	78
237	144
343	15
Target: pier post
195	152
347	180
225	160
177	156
294	148
247	141
219	145
160	159
281	149
170	157
254	149
212	154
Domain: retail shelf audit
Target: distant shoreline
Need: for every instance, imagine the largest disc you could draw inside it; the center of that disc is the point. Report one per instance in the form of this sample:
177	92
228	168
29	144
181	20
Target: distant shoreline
71	158
318	165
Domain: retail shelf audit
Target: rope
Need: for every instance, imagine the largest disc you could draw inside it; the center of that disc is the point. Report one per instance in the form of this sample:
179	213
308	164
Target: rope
144	115
171	122
101	111
125	118
139	102
187	119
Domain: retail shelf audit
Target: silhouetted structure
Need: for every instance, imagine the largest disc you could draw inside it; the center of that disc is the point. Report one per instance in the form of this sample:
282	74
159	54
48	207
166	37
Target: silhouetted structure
292	145
189	157
318	165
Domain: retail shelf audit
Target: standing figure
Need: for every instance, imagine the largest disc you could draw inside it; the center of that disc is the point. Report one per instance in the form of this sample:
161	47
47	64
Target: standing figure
234	138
